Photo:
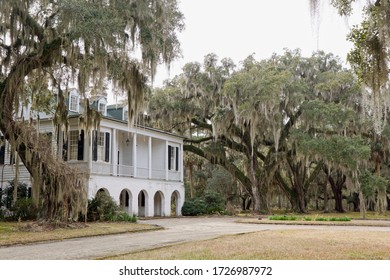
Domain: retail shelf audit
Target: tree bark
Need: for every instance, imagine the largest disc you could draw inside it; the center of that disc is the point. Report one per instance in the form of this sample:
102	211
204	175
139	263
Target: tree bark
337	188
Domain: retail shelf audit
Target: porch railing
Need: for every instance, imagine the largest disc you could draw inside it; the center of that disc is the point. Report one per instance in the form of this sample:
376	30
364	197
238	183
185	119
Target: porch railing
104	168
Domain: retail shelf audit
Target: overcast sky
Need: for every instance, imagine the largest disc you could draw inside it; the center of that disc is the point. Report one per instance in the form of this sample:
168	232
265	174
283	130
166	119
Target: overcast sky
238	28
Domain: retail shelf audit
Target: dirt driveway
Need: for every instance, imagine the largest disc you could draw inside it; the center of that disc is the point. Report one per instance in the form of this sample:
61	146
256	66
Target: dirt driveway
177	230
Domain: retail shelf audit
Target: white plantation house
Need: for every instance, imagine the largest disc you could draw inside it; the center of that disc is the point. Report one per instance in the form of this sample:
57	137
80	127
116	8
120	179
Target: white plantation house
140	167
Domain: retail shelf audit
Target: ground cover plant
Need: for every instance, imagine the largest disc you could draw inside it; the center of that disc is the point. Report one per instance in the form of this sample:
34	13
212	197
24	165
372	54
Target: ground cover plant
321	219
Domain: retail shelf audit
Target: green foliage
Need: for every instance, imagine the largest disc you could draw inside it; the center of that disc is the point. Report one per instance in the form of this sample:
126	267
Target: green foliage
327	115
103	208
194	207
344	7
319	219
337	150
370	183
214	202
283	218
343	219
211	203
24	209
7	194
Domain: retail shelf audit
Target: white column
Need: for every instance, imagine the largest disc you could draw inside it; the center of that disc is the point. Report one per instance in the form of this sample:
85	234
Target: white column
166	161
60	143
167	205
90	151
149	204
135	154
114	153
134	203
150	156
181	162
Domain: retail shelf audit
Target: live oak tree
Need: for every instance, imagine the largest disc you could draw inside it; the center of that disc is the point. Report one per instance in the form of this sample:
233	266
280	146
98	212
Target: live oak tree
90	44
243	119
369	57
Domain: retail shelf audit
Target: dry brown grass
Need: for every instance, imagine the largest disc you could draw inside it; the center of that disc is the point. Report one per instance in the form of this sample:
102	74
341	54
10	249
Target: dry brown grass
367	223
16	233
307	244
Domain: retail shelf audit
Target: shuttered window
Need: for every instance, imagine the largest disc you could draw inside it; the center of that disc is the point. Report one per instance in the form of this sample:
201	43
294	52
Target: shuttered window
76	145
101	146
2	150
173	158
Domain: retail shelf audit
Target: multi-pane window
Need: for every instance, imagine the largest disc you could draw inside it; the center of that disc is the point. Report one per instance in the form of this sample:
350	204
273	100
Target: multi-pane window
73	144
100	146
173	158
73	103
102	108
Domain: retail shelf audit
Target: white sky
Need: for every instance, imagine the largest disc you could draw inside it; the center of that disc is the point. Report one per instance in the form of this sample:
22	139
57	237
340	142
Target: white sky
239	28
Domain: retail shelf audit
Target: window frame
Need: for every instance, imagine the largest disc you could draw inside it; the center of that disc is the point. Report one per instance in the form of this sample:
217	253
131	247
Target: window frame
173	157
74	102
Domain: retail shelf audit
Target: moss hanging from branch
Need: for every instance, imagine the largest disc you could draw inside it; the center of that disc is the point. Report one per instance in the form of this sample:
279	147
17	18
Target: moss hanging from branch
42	47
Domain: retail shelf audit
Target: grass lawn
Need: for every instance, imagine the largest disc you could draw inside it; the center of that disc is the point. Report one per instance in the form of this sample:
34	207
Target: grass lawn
12	233
291	244
330	243
307	244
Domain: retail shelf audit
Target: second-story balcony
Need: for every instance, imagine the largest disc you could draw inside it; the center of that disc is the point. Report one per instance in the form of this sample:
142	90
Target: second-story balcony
120	153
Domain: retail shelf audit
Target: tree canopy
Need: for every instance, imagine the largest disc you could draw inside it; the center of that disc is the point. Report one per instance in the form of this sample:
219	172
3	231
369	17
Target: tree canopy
369	57
274	122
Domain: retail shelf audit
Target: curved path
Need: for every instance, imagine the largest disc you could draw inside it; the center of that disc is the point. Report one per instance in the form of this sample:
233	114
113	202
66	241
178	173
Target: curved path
176	230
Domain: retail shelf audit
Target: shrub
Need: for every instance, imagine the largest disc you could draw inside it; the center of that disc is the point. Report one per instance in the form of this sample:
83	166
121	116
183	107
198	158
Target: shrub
8	193
194	207
124	217
103	208
214	202
24	209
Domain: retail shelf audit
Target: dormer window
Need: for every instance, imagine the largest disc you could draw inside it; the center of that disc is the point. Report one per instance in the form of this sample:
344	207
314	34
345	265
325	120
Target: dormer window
101	105
102	109
125	112
73	102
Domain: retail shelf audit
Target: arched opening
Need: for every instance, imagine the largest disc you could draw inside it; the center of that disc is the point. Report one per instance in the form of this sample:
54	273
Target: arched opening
158	204
175	209
103	190
125	199
142	203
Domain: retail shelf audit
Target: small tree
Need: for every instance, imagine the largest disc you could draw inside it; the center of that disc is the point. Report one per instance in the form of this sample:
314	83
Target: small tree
371	187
